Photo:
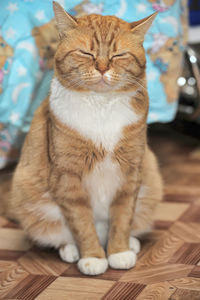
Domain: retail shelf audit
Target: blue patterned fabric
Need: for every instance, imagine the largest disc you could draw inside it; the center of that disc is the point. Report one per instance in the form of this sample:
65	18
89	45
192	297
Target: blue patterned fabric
24	80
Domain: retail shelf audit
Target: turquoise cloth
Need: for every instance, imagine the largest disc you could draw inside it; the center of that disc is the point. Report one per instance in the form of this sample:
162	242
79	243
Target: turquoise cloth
25	82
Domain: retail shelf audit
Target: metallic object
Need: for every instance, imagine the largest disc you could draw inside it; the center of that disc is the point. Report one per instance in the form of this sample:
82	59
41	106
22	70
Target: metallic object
189	84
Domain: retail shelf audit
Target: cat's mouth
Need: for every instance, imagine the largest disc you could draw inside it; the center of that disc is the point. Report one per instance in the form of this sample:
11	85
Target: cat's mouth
101	85
102	82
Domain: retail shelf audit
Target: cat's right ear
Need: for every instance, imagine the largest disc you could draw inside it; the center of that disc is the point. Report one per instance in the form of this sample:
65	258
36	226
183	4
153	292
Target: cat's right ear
140	27
64	21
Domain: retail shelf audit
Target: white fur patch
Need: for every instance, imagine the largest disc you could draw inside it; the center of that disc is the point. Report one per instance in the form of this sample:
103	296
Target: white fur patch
102	184
99	117
69	253
54	239
122	260
134	244
49	212
102	228
93	265
142	191
107	76
45	210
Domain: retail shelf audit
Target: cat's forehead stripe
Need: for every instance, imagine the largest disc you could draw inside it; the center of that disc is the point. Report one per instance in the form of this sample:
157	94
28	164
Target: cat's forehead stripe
111	39
107	38
96	38
103	28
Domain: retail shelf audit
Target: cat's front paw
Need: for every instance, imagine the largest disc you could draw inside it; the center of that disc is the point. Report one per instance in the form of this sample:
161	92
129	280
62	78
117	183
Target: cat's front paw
122	260
93	265
69	253
134	244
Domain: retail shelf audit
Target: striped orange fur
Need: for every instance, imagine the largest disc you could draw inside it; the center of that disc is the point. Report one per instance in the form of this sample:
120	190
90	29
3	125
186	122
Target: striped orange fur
87	180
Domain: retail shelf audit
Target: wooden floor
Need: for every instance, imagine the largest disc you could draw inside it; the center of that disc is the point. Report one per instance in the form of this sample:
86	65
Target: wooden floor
168	266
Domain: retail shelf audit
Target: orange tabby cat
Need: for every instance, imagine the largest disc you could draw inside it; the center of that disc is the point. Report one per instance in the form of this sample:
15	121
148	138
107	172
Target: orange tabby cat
87	183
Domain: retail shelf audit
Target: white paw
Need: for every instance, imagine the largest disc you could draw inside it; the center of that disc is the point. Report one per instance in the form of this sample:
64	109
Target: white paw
69	253
134	244
93	265
122	260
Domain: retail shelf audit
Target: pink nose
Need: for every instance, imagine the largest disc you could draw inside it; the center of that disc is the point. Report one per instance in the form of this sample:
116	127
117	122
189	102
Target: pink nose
103	70
101	67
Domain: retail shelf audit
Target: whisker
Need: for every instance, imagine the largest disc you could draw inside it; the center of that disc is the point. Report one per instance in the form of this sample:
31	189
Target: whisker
137	82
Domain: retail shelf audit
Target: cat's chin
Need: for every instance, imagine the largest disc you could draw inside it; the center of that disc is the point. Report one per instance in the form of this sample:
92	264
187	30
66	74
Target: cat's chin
101	87
102	90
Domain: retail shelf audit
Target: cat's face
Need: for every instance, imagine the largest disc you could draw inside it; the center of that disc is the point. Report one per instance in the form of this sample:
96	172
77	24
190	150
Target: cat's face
99	53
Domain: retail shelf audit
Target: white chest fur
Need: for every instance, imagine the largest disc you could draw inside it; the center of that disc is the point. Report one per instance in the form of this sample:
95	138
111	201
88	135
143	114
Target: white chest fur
96	116
102	184
100	118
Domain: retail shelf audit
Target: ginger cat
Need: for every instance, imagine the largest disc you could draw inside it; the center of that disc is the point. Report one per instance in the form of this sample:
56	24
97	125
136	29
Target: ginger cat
87	183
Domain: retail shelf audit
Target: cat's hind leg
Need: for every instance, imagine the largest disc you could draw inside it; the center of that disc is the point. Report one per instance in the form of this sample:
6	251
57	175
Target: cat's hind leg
46	221
143	217
49	229
46	226
150	194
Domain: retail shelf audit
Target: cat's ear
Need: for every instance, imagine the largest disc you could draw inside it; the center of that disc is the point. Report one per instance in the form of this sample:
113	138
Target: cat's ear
64	21
140	27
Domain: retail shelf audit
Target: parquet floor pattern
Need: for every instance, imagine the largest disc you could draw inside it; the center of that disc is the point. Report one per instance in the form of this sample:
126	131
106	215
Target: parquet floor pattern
168	266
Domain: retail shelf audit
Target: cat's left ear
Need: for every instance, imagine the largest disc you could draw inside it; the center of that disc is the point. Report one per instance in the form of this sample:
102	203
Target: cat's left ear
141	27
64	21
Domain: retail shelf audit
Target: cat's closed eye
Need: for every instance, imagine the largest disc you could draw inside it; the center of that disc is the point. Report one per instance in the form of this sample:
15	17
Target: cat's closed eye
86	53
120	55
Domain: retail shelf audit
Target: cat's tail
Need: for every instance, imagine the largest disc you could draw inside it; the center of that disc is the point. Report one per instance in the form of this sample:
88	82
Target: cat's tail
5	187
